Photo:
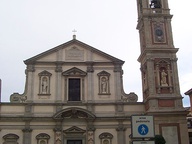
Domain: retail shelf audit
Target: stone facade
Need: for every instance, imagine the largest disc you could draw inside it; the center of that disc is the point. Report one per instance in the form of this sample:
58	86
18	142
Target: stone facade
74	92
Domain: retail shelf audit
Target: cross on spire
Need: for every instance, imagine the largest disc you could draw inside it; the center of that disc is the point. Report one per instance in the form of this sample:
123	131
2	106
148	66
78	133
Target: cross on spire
74	31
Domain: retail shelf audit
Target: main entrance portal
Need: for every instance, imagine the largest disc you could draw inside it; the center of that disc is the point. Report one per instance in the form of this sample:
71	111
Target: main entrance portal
74	141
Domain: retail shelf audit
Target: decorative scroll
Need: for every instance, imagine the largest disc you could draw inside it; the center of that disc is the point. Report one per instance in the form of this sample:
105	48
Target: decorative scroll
131	97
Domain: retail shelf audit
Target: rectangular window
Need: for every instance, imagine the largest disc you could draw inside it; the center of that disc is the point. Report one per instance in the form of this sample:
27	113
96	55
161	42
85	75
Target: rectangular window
74	141
74	91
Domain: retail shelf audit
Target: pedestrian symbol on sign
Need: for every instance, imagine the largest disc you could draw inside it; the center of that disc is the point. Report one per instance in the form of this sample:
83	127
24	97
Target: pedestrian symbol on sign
143	129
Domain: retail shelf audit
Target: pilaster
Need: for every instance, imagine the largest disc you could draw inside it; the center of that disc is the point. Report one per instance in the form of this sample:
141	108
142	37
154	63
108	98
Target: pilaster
58	132
27	135
117	80
30	85
58	86
121	134
90	84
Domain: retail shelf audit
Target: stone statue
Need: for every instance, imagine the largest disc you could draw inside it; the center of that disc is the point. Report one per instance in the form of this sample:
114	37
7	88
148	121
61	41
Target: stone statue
164	78
104	84
44	85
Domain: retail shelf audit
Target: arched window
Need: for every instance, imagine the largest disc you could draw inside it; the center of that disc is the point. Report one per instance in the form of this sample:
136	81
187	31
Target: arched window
10	139
42	138
106	138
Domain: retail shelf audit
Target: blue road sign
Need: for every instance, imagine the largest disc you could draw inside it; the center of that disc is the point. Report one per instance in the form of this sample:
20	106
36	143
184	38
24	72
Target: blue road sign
143	129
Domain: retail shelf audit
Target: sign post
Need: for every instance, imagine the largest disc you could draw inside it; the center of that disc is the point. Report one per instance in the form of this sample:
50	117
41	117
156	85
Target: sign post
143	142
142	127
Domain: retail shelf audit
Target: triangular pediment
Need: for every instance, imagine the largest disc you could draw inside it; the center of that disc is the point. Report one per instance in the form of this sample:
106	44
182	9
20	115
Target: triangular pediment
72	51
44	73
162	61
74	130
74	72
103	73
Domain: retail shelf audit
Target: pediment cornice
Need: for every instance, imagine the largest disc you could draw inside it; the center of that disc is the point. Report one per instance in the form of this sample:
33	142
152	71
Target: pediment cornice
74	72
73	130
73	42
74	112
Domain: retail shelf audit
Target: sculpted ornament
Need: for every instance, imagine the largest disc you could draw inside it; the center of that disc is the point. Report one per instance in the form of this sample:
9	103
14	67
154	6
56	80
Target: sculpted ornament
131	97
58	137
18	98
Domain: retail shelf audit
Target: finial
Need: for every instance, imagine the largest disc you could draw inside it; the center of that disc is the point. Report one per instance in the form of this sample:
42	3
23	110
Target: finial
74	35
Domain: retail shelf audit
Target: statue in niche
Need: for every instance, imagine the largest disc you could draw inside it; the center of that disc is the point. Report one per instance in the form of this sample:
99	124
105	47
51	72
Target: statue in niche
105	142
155	4
44	85
42	142
164	78
104	84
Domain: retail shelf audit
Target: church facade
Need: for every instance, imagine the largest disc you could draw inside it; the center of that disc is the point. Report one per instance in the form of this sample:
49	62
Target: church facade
74	92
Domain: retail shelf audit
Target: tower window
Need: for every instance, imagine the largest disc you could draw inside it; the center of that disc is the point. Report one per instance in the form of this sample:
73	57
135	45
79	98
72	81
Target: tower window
155	4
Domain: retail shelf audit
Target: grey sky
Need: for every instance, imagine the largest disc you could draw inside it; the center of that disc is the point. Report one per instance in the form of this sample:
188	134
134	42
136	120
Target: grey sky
29	27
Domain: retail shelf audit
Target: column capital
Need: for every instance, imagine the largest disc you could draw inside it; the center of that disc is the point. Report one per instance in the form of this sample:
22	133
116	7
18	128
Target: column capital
27	130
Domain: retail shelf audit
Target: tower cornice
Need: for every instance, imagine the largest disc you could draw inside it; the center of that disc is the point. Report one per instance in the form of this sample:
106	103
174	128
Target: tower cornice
156	50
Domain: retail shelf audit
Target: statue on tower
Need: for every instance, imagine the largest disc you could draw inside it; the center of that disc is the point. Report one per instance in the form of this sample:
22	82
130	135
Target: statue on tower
155	4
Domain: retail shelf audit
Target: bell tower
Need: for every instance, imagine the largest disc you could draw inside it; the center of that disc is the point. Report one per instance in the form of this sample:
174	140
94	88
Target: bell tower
160	83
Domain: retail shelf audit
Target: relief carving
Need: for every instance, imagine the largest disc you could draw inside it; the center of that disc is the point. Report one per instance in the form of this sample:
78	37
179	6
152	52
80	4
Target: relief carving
74	54
90	137
58	137
159	35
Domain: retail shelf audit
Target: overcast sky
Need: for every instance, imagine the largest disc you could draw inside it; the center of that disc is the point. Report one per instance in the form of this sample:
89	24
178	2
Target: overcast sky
29	27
